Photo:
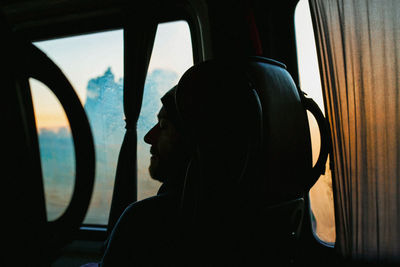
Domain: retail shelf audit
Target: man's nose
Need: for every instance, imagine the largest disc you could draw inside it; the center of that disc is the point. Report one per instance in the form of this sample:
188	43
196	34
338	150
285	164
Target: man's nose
152	135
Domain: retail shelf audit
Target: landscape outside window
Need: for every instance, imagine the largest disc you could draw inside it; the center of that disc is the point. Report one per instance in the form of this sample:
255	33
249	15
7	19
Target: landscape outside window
321	194
93	63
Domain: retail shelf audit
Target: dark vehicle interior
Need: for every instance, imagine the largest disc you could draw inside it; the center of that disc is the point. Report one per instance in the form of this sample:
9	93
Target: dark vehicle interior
250	195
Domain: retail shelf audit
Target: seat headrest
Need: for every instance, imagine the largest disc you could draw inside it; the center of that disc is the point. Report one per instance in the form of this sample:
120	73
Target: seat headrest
220	101
221	113
286	155
215	101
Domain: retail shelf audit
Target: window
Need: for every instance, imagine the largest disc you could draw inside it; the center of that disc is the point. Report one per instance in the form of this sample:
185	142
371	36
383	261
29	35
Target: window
93	63
321	195
56	149
171	57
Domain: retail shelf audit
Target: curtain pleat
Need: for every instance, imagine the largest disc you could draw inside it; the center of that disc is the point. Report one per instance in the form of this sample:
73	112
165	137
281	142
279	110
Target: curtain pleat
138	45
358	51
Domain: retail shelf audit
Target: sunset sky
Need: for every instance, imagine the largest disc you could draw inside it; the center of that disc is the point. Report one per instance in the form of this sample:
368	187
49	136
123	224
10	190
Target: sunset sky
306	53
88	56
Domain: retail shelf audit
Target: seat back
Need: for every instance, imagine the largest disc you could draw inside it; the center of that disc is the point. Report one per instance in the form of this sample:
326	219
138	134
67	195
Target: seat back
242	197
221	114
286	157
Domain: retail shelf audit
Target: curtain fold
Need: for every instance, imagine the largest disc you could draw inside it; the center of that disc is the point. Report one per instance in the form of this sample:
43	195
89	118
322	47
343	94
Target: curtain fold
138	45
359	55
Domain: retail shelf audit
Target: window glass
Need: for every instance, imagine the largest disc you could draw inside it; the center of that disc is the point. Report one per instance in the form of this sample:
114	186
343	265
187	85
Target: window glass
171	57
56	149
321	195
93	63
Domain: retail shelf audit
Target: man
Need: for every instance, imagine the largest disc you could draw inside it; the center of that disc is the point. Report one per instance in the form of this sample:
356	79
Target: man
147	233
170	150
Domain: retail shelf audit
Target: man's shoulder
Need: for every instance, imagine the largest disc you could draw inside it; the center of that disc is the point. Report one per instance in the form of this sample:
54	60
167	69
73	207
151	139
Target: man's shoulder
153	206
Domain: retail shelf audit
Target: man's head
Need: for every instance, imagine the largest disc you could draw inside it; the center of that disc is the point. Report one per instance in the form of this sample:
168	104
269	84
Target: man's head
168	147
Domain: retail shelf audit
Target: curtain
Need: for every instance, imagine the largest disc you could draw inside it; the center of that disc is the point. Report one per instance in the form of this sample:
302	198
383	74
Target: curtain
138	45
358	45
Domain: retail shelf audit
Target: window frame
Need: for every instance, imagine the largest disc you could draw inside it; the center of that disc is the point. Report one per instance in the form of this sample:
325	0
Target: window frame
116	19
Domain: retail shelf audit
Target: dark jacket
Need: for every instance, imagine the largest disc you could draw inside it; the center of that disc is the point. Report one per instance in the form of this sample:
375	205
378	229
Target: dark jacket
147	232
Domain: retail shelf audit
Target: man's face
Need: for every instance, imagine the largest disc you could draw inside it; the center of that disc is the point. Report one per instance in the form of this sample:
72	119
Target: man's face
167	149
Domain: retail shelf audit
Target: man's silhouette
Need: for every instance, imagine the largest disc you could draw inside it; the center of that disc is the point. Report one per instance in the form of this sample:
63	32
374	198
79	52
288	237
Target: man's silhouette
147	232
169	148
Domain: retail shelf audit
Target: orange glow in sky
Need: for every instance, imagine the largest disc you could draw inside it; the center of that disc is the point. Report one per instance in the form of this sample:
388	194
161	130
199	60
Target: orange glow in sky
49	113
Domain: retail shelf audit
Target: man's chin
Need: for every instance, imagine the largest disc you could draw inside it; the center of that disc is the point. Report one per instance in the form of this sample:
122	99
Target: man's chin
155	173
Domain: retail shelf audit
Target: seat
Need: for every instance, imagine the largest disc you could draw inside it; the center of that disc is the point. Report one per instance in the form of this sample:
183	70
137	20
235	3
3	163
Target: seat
242	201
